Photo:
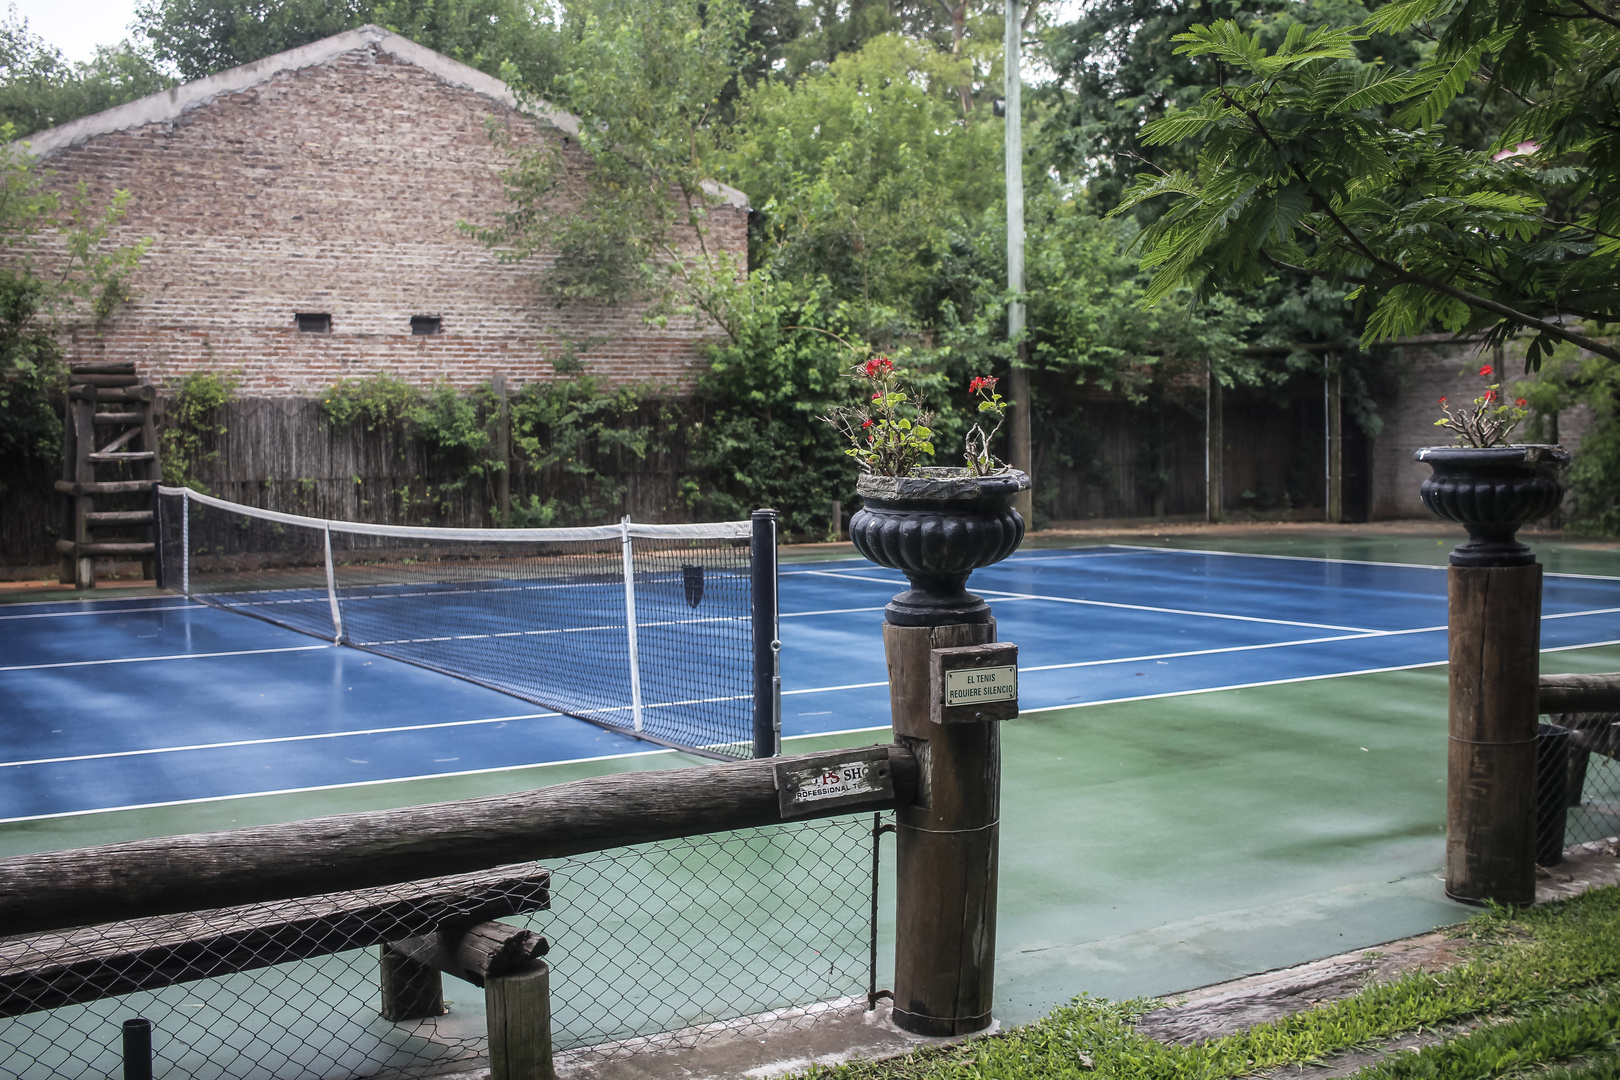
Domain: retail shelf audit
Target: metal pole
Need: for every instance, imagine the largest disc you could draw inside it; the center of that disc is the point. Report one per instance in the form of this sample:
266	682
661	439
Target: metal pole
137	1049
1021	448
331	587
630	622
185	542
767	644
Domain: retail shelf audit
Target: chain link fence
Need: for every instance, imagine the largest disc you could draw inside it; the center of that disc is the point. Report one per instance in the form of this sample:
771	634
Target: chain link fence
1583	751
684	939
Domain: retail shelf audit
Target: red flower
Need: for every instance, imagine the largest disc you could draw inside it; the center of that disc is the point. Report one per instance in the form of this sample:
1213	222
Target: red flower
868	423
1490	395
878	366
1442	401
982	382
1486	370
1520	402
877	397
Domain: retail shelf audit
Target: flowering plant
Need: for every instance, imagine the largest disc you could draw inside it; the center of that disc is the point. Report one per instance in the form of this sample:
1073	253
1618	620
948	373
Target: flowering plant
978	455
885	440
1490	421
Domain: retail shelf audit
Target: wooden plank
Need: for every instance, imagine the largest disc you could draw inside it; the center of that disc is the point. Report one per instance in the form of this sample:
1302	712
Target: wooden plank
103	458
1579	693
104	487
111	393
474	953
109	419
119	517
50	970
1495	639
118	443
133	547
83	378
102	367
142	878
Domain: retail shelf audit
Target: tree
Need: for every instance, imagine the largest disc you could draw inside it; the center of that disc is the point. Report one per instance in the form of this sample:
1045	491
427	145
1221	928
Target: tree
200	37
1314	161
55	267
39	88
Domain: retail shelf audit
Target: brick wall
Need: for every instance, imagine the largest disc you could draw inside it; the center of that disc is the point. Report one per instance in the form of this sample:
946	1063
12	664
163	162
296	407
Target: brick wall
337	187
1427	373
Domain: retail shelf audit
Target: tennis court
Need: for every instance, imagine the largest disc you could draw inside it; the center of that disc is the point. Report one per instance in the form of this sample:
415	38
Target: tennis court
146	702
1228	761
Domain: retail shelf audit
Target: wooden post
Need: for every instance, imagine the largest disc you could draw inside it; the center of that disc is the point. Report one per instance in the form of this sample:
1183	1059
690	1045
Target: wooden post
947	841
1335	444
519	1010
1212	445
1495	649
411	990
83	414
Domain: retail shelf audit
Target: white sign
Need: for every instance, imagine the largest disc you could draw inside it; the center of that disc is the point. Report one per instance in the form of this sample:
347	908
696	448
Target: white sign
975	686
849	778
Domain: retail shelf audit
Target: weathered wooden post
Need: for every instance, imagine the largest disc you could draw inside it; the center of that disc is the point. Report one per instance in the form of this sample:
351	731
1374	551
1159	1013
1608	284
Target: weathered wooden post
949	683
1494	593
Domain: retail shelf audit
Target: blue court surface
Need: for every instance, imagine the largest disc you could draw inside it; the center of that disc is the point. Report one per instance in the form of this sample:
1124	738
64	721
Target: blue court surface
158	701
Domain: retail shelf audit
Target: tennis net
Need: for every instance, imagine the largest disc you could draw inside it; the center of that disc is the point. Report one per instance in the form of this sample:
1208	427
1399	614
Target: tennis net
666	632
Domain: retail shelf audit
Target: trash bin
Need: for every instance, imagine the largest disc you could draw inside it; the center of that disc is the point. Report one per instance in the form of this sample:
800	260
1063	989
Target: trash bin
1552	792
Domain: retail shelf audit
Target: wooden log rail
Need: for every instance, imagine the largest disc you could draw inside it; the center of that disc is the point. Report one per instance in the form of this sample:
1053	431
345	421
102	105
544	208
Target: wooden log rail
176	874
1580	693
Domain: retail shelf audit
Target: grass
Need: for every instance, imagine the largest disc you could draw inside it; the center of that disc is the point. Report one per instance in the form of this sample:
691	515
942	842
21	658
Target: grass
1541	986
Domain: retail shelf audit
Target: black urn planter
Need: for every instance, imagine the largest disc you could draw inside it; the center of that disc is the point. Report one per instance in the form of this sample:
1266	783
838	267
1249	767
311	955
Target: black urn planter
937	526
1491	491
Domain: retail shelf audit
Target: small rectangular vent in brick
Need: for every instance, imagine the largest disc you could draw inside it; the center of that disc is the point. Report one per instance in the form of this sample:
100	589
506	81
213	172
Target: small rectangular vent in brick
425	324
310	322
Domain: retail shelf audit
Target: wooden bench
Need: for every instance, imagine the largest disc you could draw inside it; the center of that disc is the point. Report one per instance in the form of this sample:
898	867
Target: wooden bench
425	929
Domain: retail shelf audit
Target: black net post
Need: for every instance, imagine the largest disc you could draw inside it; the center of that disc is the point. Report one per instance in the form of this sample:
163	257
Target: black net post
137	1049
767	647
157	536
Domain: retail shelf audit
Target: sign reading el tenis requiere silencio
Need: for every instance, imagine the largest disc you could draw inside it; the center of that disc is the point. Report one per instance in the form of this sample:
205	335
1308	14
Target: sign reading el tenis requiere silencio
977	686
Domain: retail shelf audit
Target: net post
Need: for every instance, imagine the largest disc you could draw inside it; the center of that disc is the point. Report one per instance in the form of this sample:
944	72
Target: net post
157	535
185	542
630	621
331	587
767	646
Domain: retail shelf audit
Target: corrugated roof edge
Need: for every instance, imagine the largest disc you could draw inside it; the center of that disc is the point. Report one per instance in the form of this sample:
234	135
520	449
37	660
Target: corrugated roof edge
168	105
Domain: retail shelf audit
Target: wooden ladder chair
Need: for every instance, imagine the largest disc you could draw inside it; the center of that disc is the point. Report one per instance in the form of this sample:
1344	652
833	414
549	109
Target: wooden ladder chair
107	398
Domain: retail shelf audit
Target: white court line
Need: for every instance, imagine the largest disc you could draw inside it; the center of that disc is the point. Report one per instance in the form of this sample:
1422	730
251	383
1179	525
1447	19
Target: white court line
1343	562
328	787
92	611
174	656
648	753
1003	596
270	741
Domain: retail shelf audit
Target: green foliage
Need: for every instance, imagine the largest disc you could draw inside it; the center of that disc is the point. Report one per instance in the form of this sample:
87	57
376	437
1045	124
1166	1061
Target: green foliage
645	80
378	401
57	269
1313	160
1556	965
199	37
577	436
1567	380
192	423
39	88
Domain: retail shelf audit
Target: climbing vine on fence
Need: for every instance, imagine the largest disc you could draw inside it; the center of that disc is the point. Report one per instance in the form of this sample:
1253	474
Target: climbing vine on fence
192	423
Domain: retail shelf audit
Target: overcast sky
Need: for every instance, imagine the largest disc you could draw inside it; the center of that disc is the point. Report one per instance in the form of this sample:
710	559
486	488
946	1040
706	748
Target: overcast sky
78	26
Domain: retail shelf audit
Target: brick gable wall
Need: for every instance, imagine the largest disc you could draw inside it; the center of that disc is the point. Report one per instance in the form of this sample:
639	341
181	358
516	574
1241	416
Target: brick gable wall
338	188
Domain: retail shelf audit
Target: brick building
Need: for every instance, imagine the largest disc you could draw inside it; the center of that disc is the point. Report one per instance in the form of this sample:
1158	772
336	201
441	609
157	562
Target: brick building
303	212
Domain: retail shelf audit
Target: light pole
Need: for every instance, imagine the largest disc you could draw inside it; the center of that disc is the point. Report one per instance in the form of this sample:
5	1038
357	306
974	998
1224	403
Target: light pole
1018	377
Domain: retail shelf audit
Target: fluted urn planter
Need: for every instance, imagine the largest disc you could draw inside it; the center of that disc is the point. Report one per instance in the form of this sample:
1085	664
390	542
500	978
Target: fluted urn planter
1491	492
937	526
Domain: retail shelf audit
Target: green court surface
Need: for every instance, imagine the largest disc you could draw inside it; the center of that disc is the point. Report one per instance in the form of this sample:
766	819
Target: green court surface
1148	846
